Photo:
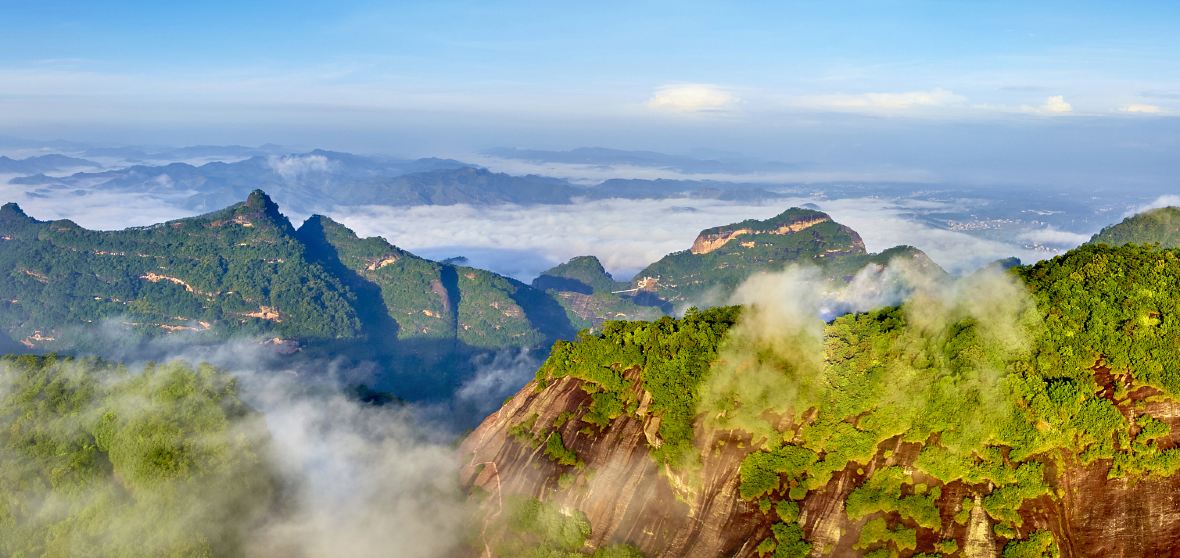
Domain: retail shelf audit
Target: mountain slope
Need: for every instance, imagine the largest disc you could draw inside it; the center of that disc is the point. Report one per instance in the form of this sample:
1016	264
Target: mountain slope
245	270
590	295
238	270
1027	412
432	300
1161	225
722	257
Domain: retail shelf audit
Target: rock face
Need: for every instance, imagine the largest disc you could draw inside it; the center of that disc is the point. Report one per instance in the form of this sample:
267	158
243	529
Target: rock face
696	510
628	498
709	241
722	257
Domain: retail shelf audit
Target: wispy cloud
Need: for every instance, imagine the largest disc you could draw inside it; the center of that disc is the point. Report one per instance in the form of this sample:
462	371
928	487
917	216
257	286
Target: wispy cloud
882	101
692	98
1141	108
291	167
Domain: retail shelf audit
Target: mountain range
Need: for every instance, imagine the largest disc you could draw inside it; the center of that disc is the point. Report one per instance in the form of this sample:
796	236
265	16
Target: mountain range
319	180
319	288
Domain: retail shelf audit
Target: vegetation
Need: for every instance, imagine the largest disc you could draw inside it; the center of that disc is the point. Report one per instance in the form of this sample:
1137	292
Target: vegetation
246	270
995	380
1160	226
100	462
671	356
686	277
529	528
1040	544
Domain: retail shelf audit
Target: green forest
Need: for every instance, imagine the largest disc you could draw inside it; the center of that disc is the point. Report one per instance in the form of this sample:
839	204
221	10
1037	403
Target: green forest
997	381
100	461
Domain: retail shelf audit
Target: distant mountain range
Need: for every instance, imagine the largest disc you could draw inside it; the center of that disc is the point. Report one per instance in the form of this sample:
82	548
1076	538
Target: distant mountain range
43	164
709	163
318	180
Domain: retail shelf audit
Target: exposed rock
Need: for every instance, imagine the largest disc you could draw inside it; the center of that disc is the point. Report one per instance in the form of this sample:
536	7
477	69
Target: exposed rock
697	512
707	242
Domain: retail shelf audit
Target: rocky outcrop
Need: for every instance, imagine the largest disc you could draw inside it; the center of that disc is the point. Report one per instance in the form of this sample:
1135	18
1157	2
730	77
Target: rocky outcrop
696	511
709	241
627	497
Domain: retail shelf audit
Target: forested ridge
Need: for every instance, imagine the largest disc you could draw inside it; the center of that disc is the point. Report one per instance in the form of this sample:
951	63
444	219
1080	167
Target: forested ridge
995	390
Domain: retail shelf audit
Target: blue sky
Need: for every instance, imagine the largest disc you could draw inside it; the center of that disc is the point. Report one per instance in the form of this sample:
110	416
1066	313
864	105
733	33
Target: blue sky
447	75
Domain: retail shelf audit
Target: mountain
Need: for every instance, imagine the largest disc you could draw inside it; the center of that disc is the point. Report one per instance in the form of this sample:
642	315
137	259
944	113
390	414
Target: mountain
1161	225
469	185
1029	412
245	270
590	295
634	188
320	179
598	156
42	164
722	257
307	182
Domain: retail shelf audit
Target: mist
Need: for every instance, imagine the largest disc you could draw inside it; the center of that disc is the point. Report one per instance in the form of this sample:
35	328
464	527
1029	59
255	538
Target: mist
775	362
354	479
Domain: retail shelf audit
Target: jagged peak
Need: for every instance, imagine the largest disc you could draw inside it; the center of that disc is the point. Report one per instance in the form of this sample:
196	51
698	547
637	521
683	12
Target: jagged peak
11	208
259	200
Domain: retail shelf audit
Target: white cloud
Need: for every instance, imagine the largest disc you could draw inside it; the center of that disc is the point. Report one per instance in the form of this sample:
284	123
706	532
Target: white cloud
1051	235
627	235
1055	104
1170	200
293	166
94	208
1141	108
692	98
897	101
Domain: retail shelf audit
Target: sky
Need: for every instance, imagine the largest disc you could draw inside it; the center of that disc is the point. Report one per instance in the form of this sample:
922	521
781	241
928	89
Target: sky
837	84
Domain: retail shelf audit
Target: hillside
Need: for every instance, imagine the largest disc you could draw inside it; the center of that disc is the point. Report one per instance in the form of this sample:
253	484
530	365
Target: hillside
1026	413
100	461
245	270
591	296
722	257
1160	225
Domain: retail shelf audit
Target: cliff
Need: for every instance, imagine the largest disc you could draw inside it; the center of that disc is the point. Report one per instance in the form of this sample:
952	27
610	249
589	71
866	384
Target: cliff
1034	412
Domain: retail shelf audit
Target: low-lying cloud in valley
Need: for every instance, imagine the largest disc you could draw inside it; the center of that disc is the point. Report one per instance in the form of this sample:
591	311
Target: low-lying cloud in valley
627	235
356	479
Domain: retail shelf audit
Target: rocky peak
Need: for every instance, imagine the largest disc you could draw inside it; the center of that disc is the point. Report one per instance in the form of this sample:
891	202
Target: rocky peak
12	210
790	221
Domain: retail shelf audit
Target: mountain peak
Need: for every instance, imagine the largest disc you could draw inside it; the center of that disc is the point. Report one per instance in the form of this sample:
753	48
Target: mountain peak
583	274
790	221
11	208
259	200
